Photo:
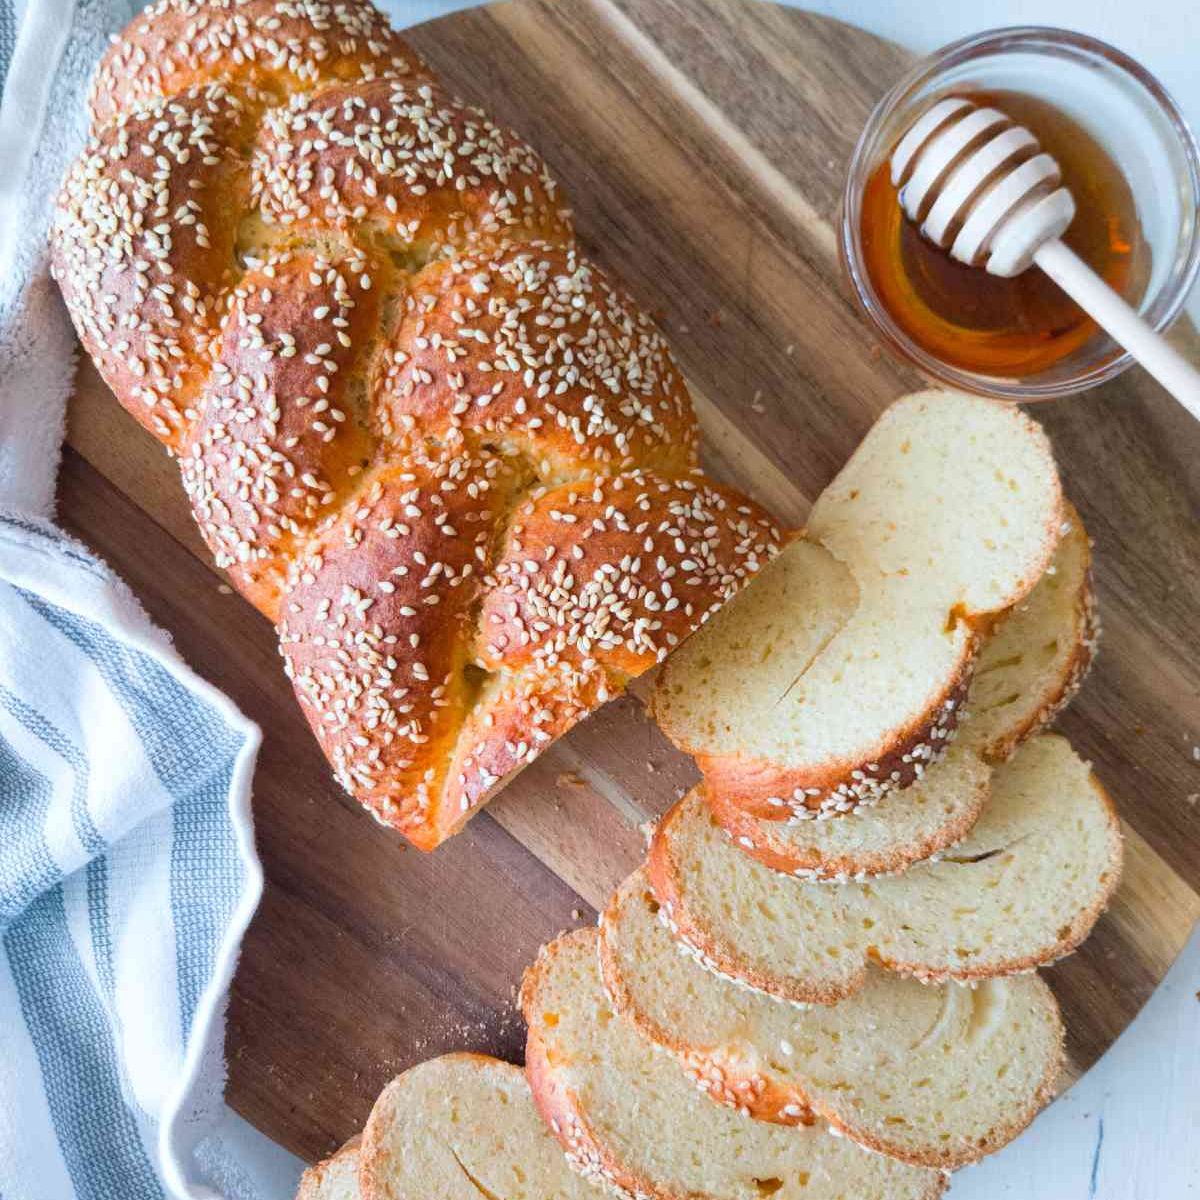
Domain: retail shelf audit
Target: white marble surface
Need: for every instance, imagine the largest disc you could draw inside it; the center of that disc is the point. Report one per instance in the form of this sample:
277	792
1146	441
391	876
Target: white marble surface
1130	1129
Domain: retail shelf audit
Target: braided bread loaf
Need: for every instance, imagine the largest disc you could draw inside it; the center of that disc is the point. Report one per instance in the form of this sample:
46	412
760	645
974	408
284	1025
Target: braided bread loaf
427	438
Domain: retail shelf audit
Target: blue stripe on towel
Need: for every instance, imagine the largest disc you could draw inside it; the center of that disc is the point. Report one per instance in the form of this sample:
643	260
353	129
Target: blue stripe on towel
200	918
24	802
100	928
85	829
44	731
206	870
97	1134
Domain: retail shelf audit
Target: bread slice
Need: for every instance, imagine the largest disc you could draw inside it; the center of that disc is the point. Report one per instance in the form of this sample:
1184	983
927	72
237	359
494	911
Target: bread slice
630	1118
937	1075
1023	888
947	514
1039	653
462	1127
335	1178
906	826
1026	672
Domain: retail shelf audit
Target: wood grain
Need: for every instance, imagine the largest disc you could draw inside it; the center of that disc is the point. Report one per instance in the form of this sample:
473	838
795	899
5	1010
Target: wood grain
704	143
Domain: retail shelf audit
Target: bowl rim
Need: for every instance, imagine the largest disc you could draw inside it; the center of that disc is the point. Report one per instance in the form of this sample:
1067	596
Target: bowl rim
1048	39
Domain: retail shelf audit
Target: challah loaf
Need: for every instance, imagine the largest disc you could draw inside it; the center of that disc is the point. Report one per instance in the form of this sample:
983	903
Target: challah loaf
1023	888
462	1127
426	437
937	1075
1027	670
630	1119
945	516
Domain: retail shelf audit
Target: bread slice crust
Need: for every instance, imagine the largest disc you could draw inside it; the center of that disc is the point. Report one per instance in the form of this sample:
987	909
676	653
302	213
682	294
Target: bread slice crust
615	1045
772	792
788	1065
957	784
1028	670
828	921
946	516
335	1177
458	1127
1014	695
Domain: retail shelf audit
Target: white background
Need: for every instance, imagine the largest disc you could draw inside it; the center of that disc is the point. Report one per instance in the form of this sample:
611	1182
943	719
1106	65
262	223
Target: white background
1130	1129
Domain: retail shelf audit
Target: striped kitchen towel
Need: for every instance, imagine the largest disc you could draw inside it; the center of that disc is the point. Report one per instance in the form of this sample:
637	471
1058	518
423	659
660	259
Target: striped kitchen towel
127	877
127	864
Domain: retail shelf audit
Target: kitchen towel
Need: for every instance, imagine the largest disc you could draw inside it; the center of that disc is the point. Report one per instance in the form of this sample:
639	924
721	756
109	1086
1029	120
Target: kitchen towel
127	877
127	864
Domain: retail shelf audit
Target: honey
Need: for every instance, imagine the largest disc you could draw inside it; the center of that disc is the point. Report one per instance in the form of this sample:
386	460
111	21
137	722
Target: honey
1007	327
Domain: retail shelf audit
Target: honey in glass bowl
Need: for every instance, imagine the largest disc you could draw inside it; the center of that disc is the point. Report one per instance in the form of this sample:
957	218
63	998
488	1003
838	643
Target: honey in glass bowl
1007	327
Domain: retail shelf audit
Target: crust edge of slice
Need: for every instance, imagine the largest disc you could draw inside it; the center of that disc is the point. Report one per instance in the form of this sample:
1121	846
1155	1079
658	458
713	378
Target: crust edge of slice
768	1098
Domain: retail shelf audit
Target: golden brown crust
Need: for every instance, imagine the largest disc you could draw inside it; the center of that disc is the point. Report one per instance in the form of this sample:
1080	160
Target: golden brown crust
482	335
143	247
762	841
402	162
284	428
772	792
263	48
753	1087
518	717
618	569
374	629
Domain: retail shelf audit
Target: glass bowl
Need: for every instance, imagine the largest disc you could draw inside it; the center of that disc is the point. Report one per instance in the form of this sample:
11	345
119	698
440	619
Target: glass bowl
1123	107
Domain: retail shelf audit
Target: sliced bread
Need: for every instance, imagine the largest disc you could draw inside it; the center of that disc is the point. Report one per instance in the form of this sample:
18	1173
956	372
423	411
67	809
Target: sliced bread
1023	888
335	1178
937	1075
1026	672
1036	658
462	1127
906	826
629	1118
947	514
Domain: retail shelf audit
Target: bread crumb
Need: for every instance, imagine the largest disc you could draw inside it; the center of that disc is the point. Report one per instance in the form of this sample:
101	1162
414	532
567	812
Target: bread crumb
224	589
576	914
571	779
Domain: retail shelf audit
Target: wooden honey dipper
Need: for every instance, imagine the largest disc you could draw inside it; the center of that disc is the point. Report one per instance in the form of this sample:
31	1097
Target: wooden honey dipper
980	186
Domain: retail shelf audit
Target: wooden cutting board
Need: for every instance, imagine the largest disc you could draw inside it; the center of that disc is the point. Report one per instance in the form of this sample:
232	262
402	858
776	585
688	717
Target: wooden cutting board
704	143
